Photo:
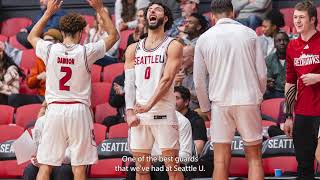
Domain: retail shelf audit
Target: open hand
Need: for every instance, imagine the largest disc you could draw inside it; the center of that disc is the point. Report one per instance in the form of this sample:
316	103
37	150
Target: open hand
96	4
53	6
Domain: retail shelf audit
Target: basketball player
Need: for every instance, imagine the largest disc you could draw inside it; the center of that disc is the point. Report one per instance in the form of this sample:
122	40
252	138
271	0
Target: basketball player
68	89
150	68
230	55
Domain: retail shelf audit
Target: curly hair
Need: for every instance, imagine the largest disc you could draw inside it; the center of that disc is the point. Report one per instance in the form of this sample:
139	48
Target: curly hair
72	23
276	18
167	12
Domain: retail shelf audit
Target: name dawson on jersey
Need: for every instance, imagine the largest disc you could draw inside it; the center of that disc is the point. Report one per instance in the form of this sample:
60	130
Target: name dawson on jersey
305	60
149	59
61	60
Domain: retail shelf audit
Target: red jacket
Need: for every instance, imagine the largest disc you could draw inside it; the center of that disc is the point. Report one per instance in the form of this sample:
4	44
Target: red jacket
303	58
32	80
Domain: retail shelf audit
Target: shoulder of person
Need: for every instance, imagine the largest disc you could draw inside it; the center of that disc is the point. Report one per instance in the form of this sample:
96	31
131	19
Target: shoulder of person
271	57
175	43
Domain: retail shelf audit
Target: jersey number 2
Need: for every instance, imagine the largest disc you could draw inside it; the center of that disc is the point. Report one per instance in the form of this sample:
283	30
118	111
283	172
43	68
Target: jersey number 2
147	73
65	78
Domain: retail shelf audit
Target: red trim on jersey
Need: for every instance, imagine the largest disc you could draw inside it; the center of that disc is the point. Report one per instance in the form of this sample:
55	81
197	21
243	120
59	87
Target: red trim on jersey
153	49
86	59
62	102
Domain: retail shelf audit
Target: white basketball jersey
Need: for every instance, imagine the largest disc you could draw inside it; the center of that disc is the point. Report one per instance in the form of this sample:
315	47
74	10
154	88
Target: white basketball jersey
149	67
68	74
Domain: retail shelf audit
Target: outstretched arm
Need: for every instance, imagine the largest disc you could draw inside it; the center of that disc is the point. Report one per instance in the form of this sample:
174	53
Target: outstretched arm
170	71
35	34
107	24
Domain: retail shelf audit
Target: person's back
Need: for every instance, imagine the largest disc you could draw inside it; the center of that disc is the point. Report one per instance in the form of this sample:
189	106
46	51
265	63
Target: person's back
232	65
68	90
68	74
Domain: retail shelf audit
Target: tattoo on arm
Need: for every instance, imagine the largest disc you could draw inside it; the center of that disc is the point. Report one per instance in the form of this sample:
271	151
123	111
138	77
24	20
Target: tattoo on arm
290	99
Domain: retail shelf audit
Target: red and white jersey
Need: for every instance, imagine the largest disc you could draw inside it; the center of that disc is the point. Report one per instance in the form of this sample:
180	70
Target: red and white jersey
68	69
149	67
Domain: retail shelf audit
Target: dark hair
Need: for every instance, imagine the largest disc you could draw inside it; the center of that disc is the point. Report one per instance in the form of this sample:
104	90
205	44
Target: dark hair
72	23
202	21
167	12
221	6
185	93
128	10
310	8
281	32
8	61
276	18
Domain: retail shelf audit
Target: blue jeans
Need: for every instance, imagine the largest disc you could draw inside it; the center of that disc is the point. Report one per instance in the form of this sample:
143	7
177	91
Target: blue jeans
252	21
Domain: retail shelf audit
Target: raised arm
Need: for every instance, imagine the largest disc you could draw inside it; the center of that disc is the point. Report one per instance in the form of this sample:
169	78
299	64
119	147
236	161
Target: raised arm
172	67
35	34
107	24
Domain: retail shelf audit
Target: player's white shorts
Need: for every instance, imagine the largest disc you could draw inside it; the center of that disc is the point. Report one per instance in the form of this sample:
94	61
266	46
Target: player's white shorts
245	119
67	125
142	137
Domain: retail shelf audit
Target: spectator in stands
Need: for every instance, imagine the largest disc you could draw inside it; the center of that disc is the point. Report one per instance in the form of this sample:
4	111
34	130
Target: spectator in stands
140	30
196	24
9	76
199	131
270	26
251	12
302	88
63	172
94	35
52	23
185	151
187	7
116	100
185	78
37	77
276	67
125	13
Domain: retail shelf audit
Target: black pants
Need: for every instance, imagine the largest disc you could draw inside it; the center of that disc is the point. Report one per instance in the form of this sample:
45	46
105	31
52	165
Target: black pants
17	100
22	39
106	60
112	120
63	172
3	99
275	131
305	138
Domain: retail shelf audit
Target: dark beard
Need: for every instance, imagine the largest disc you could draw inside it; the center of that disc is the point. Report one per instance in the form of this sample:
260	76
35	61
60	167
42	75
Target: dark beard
156	26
